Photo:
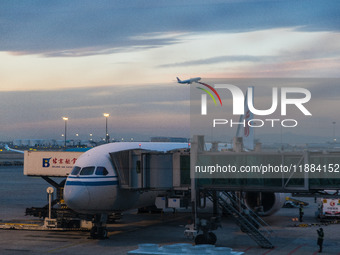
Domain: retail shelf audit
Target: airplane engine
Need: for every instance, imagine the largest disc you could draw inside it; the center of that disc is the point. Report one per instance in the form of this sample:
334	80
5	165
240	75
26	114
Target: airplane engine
264	203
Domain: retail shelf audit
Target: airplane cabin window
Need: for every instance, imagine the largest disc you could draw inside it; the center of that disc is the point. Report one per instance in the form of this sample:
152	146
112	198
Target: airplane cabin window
101	171
75	170
87	170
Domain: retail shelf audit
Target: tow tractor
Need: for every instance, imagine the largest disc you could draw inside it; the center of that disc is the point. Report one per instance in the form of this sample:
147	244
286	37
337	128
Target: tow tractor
292	202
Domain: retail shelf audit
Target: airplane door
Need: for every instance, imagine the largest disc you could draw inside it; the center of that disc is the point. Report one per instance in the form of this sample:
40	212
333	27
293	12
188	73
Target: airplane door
140	169
137	171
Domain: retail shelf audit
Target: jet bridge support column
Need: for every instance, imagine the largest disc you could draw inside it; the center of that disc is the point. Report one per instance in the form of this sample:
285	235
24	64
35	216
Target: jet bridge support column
215	202
197	146
193	158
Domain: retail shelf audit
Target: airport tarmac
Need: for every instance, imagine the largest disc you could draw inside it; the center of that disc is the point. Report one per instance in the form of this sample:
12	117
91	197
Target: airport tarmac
167	228
134	229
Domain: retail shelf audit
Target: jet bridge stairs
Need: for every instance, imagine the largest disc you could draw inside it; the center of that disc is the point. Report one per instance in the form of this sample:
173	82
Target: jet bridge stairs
246	219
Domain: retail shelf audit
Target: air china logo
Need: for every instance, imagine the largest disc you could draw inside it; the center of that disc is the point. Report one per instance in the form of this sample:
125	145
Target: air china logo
58	162
244	105
46	162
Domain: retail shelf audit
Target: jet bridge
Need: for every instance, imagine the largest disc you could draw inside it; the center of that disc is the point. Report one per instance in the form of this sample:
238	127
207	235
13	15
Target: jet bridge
174	171
309	172
305	172
152	170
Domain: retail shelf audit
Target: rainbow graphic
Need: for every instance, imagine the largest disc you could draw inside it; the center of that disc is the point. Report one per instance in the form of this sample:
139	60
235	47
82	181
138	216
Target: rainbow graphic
209	93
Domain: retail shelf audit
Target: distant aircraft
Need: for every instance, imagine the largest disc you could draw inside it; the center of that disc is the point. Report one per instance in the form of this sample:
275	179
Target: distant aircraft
189	81
10	149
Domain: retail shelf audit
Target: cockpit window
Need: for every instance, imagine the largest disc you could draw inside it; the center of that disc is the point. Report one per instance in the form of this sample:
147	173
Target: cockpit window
75	170
101	171
87	170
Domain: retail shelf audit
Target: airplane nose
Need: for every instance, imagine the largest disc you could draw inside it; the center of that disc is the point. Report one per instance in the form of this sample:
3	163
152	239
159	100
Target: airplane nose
76	195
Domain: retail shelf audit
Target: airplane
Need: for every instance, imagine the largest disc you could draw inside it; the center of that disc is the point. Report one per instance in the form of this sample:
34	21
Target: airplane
92	186
188	81
10	149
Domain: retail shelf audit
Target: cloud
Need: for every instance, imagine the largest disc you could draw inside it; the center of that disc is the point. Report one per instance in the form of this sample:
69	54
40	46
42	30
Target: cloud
78	28
222	59
282	46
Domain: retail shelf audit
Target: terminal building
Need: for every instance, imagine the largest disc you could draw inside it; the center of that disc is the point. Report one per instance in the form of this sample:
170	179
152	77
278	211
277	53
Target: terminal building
49	143
164	139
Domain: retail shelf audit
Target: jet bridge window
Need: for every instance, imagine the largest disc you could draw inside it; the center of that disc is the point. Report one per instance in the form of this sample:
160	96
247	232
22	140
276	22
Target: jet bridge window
87	170
75	170
101	171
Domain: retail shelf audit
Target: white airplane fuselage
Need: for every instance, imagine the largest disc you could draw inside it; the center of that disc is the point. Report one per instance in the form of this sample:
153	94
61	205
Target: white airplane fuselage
90	189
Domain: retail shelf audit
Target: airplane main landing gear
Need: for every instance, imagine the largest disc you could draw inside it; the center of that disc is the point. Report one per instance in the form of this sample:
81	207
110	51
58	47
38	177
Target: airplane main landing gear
98	233
206	226
99	230
206	238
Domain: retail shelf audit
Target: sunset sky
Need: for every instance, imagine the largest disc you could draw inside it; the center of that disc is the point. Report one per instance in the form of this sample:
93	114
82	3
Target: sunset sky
83	58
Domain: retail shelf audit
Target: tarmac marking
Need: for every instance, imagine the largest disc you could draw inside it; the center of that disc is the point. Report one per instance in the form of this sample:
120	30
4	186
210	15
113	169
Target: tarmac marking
247	249
296	249
111	233
20	224
268	251
68	246
140	223
133	226
136	225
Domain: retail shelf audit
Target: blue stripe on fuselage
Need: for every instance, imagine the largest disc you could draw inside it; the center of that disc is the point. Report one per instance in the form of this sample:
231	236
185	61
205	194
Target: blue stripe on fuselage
91	177
97	183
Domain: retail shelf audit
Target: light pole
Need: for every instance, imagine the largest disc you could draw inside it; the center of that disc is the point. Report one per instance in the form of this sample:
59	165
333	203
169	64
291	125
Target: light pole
65	119
106	115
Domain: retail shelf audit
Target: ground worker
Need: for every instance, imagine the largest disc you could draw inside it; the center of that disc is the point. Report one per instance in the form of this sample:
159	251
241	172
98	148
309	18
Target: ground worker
301	212
320	238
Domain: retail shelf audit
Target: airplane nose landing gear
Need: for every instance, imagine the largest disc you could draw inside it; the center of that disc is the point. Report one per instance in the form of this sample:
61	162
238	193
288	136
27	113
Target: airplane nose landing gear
99	230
